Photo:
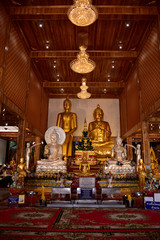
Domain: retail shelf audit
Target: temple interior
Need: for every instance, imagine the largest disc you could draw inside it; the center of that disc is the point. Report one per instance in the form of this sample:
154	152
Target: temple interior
80	101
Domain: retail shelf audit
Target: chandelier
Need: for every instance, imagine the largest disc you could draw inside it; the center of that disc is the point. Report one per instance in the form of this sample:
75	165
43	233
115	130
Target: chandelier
83	94
82	13
82	64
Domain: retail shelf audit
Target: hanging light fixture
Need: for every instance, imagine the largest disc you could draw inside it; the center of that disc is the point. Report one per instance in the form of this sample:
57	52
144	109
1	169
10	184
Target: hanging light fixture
82	64
83	94
82	13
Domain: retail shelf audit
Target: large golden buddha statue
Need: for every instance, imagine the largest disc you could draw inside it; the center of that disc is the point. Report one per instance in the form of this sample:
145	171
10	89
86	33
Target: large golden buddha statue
100	133
68	122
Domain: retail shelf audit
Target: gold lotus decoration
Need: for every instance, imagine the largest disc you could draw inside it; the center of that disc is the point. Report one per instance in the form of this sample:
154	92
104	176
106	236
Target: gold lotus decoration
82	64
83	94
82	13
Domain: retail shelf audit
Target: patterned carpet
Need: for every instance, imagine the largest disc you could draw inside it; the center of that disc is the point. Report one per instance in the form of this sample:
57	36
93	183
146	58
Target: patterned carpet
78	224
78	218
28	218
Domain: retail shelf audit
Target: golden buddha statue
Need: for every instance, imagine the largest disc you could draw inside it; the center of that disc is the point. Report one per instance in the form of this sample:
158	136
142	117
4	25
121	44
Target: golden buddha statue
13	165
68	122
21	169
100	133
154	163
141	171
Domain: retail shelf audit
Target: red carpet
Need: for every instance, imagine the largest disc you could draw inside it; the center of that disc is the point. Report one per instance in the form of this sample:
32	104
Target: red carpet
78	218
78	224
28	218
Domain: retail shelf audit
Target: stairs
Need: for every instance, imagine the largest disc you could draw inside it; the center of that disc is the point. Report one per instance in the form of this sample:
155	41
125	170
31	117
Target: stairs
89	203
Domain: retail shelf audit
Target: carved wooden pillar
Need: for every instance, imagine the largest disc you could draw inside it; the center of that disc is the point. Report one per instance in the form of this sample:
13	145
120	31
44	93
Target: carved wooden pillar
145	143
129	149
21	140
0	107
37	149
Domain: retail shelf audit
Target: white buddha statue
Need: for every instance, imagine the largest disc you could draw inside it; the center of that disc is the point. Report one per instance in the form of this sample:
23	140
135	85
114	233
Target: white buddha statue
119	163
54	136
120	150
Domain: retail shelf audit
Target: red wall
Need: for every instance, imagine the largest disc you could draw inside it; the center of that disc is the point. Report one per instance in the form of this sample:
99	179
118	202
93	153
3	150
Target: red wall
34	101
143	86
19	83
132	100
149	70
4	24
16	71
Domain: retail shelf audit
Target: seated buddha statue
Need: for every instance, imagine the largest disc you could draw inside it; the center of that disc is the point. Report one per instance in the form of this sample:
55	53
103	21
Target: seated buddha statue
100	133
54	136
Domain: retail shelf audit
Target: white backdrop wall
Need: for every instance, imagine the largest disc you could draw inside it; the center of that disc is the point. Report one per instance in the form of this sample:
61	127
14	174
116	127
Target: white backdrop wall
84	109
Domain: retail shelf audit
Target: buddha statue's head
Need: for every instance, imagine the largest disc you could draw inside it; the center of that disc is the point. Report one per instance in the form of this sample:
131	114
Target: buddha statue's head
67	104
141	161
98	113
119	141
21	160
54	137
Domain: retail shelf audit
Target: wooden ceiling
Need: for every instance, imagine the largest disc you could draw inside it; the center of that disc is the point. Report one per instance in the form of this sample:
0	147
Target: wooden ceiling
55	43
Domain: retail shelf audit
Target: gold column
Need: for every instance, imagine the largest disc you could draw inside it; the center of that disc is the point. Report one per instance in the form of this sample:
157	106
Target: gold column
37	149
129	149
21	140
145	144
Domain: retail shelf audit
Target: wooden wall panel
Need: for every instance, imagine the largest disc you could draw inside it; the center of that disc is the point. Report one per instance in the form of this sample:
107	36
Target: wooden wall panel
123	115
44	112
149	70
132	100
34	101
4	23
16	71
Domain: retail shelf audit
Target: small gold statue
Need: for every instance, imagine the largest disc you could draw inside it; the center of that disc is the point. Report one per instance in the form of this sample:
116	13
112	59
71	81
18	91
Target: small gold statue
141	171
84	166
154	162
21	169
100	133
68	122
13	165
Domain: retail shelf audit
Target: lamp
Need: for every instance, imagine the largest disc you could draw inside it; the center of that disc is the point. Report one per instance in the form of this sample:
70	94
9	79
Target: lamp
82	64
83	94
82	13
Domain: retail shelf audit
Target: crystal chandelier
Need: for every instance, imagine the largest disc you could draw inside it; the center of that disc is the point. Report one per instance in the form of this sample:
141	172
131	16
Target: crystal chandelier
83	94
82	64
82	13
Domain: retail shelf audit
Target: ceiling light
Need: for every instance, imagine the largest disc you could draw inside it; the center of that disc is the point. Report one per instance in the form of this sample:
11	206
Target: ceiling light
82	64
104	90
127	24
57	79
47	46
120	46
109	80
54	66
62	90
82	13
83	94
113	66
40	24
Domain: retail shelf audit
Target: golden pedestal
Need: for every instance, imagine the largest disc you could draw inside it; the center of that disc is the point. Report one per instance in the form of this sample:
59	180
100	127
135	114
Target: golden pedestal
90	156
